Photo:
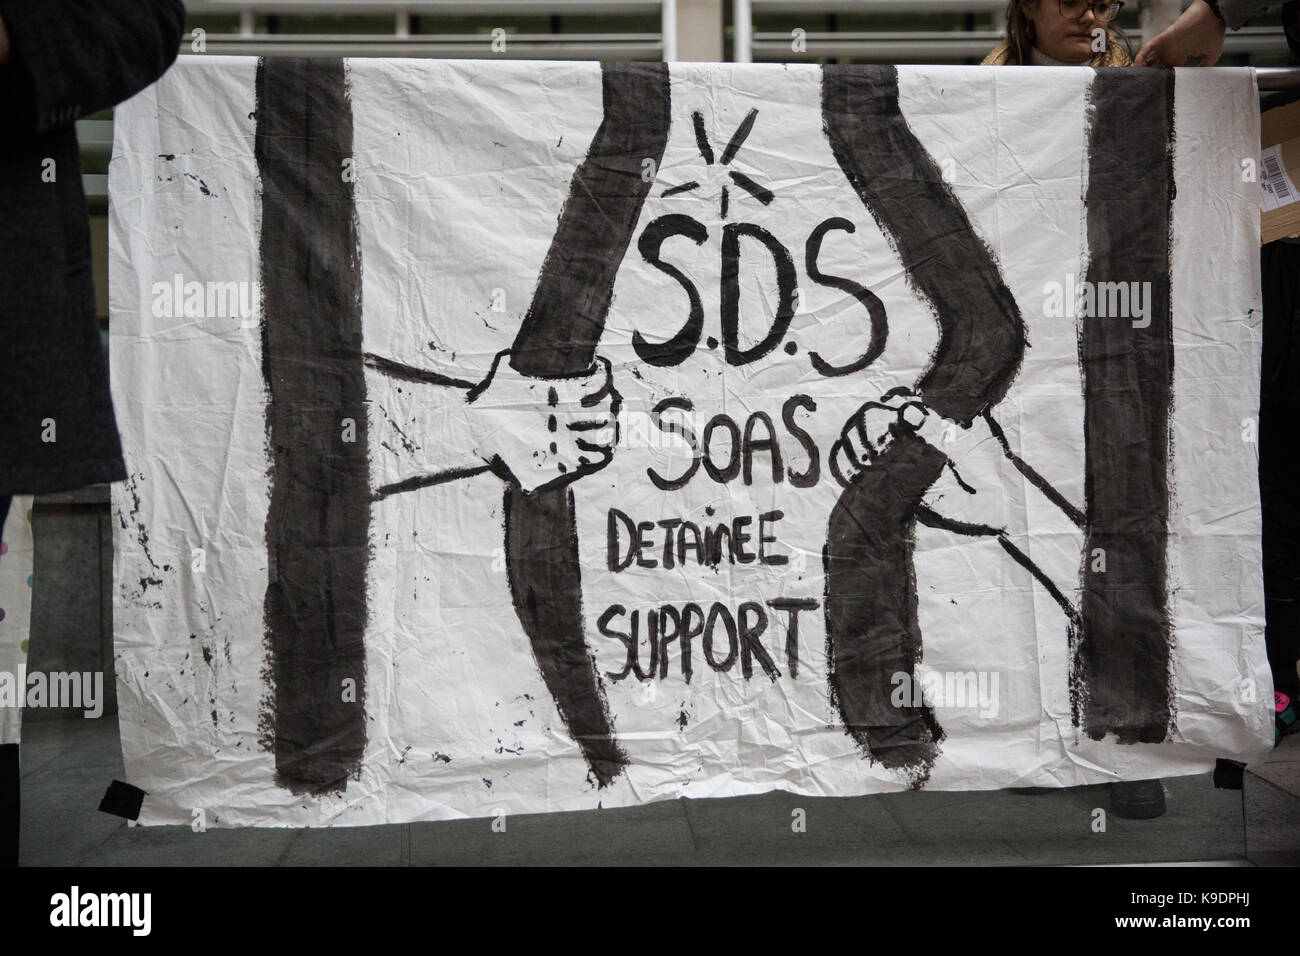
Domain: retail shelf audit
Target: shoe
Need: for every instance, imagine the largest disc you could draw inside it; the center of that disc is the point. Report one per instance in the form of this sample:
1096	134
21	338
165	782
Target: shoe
1137	799
1284	717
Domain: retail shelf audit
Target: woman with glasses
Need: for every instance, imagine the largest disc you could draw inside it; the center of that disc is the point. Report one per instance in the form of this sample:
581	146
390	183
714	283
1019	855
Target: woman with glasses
1062	33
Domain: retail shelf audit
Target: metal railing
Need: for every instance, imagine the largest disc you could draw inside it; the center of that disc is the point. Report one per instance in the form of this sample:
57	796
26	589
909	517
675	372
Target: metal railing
1278	77
896	45
945	45
96	137
747	44
402	41
406	37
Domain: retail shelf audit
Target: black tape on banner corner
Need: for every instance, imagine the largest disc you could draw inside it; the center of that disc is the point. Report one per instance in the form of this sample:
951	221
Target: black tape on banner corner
122	800
1229	774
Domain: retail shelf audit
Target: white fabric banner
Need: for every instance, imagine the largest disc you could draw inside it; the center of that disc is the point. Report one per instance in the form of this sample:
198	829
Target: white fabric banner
525	436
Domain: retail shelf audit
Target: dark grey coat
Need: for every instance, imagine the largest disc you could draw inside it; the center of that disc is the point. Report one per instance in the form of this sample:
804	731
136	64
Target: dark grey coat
69	58
1237	12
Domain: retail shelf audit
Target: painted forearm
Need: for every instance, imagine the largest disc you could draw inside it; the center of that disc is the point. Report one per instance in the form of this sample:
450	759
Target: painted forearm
535	432
419	432
989	490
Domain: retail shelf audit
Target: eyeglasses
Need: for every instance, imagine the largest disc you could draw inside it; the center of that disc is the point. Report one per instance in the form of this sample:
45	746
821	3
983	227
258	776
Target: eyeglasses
1075	9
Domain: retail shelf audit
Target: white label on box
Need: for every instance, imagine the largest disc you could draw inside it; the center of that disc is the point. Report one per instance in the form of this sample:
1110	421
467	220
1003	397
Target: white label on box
1276	189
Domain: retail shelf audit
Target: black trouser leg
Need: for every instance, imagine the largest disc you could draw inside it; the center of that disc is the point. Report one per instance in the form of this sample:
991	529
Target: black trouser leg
1279	460
9	790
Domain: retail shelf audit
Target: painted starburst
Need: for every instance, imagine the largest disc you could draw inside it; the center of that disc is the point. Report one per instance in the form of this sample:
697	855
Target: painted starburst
759	192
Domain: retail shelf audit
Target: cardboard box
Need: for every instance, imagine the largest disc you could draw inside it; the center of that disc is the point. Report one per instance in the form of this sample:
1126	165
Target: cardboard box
1279	172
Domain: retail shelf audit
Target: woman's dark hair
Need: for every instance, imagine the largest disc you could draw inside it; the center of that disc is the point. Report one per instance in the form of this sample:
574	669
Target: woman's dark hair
1020	34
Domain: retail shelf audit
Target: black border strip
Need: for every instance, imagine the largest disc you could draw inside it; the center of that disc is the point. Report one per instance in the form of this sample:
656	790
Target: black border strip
1121	682
318	522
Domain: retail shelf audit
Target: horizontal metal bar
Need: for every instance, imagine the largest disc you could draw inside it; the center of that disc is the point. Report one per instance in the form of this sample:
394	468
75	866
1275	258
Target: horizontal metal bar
449	38
865	7
92	495
95	186
1244	36
846	36
897	47
648	46
776	47
95	134
458	8
1278	77
1265	41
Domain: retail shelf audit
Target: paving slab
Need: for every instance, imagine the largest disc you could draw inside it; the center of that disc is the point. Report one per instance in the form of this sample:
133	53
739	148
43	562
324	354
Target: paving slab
67	764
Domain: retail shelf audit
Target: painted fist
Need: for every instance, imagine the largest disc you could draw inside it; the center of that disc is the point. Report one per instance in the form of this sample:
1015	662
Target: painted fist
544	432
871	429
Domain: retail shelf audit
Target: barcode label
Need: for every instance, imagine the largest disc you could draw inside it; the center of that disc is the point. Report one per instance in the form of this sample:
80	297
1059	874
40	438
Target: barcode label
1275	186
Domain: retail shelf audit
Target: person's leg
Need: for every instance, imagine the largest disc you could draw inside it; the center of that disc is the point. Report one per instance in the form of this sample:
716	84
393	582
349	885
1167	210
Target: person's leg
9	782
9	791
1279	461
1137	799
